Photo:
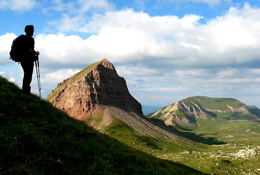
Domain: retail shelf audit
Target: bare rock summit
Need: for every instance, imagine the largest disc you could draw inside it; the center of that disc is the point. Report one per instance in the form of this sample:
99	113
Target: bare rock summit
95	86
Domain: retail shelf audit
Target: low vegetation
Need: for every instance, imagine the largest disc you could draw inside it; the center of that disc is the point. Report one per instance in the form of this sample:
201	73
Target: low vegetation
232	139
236	152
39	139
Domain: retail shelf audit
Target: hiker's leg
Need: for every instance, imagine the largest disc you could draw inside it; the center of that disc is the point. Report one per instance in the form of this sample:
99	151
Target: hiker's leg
27	79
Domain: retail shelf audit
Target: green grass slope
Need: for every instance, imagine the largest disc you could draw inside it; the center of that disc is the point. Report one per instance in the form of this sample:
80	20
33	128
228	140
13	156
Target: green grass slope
222	107
224	104
36	138
233	144
254	110
221	110
215	103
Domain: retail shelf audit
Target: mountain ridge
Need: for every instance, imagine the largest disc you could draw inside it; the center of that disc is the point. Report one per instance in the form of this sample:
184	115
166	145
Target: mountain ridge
188	111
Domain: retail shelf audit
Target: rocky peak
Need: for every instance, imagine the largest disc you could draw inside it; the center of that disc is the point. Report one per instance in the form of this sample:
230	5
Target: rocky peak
107	64
96	85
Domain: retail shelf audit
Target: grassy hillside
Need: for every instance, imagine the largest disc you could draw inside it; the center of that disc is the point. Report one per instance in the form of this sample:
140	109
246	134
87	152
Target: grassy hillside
39	139
254	110
233	140
221	107
226	108
215	103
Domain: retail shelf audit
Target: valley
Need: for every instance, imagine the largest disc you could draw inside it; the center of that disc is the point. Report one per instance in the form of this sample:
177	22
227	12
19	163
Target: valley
229	147
211	135
227	128
239	154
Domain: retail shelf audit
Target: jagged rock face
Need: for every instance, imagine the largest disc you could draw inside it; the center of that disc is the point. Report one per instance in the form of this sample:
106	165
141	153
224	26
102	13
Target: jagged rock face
181	114
97	85
196	111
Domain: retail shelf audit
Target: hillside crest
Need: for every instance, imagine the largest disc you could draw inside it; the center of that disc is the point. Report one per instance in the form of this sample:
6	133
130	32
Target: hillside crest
187	111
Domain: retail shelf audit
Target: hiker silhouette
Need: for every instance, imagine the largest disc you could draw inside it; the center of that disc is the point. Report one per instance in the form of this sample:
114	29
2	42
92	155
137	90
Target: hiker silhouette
30	57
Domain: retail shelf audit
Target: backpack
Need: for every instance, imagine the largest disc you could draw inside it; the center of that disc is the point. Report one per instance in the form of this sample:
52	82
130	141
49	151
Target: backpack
18	52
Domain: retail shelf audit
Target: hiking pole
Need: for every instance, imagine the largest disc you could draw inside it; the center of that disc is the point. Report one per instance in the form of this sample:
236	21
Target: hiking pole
38	75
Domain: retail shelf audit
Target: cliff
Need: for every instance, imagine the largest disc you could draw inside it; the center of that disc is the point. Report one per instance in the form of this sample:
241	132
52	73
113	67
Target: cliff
95	86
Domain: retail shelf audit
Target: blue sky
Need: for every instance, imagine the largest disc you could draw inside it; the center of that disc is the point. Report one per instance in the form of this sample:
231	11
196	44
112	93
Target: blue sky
167	50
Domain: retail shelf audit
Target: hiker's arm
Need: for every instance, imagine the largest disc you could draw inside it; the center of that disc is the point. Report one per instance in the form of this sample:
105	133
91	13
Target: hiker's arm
35	52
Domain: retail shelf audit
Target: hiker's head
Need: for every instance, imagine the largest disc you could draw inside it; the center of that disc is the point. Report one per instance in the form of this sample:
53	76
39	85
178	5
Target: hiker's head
29	29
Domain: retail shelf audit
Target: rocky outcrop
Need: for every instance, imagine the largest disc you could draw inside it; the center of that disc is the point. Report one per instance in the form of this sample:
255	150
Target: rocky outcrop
97	85
180	112
195	111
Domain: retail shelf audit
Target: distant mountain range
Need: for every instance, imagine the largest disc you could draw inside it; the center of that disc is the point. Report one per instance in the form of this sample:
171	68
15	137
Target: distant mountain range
187	112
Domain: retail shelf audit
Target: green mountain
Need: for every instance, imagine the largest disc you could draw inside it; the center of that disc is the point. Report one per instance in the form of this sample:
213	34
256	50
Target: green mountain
37	138
187	112
229	128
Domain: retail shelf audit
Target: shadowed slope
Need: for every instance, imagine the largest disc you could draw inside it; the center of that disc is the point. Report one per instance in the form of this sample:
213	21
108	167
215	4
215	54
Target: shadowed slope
39	139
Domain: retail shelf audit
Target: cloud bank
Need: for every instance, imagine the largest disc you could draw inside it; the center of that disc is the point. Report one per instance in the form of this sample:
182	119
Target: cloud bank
177	56
18	5
160	42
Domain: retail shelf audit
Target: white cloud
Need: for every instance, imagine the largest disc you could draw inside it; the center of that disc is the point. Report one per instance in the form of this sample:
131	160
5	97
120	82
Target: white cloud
94	5
5	47
192	74
136	36
68	23
59	75
61	50
17	5
130	35
156	53
52	78
167	89
131	70
81	6
237	29
12	79
255	72
210	2
228	73
61	6
7	75
163	53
